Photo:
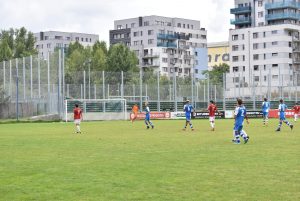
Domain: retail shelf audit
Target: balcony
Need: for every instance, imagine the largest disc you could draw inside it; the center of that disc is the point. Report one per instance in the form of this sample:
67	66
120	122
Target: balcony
170	45
149	64
281	5
239	21
281	16
167	36
240	10
153	55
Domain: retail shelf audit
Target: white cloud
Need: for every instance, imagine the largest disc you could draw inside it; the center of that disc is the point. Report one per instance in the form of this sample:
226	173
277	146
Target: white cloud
97	16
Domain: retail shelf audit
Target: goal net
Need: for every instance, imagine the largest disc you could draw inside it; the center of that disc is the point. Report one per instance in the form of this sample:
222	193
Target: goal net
97	109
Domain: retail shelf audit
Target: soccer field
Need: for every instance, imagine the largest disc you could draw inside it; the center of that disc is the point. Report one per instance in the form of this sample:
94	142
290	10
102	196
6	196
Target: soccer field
118	160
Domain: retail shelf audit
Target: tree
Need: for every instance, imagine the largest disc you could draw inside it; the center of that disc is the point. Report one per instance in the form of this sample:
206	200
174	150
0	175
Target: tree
216	74
120	58
16	43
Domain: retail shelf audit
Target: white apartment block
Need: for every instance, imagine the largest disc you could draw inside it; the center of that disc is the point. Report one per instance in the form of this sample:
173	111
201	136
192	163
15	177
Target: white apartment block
172	46
264	48
47	42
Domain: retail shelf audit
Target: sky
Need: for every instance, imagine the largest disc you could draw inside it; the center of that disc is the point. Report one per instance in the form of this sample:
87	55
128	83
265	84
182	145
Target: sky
97	16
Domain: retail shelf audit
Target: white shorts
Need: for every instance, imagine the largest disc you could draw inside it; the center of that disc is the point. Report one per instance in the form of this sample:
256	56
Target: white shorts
211	118
77	121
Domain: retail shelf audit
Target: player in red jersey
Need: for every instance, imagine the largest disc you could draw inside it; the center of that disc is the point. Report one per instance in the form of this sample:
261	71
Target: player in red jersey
77	118
296	111
212	109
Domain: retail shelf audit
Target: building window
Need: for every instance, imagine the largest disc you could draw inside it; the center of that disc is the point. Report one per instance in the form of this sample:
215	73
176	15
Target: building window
235	58
274	32
274	43
135	42
235	48
256	67
196	71
119	26
183	26
274	54
260	3
235	69
255	35
260	24
275	77
150	41
256	78
265	68
46	37
135	34
255	57
165	60
150	32
235	37
260	14
274	65
132	25
141	33
255	46
165	69
178	25
192	26
244	68
265	78
188	26
146	23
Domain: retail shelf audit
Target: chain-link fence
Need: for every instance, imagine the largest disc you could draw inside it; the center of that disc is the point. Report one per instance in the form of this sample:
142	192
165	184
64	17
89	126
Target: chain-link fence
35	86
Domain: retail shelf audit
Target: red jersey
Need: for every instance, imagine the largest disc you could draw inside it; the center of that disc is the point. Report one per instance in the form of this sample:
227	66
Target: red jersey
296	109
212	108
77	113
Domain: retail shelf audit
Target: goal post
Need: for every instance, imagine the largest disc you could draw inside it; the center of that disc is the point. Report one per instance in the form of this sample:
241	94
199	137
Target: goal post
97	109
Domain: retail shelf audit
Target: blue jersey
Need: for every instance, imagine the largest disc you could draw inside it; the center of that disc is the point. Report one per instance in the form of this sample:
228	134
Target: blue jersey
240	113
147	110
265	107
282	107
188	108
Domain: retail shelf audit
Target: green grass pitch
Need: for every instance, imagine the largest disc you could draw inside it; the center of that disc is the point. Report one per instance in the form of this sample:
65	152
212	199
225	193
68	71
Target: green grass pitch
118	160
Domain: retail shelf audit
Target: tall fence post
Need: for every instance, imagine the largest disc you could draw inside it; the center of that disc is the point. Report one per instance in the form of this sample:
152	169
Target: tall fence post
89	81
4	75
158	91
297	87
84	85
59	82
17	95
24	79
39	76
10	78
63	77
48	73
95	91
122	85
175	91
31	81
103	85
224	91
141	89
208	89
192	83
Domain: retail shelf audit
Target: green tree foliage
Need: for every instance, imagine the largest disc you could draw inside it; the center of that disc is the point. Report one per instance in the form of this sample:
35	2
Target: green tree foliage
120	58
216	74
16	43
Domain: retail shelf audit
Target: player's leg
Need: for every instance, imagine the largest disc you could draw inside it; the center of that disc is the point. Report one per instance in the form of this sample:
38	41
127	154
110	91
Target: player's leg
267	119
295	117
151	124
191	125
146	122
288	123
212	123
77	124
279	125
264	118
244	136
186	123
237	134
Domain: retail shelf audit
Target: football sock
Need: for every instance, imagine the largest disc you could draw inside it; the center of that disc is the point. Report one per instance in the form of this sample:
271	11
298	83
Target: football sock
78	128
212	124
237	136
191	125
244	135
280	124
287	123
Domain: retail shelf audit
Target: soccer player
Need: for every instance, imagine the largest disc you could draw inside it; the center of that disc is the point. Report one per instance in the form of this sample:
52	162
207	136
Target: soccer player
265	110
239	115
77	117
212	108
282	107
135	110
188	109
147	118
296	111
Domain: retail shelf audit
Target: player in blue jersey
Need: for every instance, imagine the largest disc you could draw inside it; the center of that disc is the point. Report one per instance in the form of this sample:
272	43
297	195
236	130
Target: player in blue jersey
188	109
281	109
239	115
147	117
265	110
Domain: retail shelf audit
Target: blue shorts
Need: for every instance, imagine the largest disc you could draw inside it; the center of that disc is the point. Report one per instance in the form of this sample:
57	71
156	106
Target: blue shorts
188	117
147	118
238	127
265	114
282	117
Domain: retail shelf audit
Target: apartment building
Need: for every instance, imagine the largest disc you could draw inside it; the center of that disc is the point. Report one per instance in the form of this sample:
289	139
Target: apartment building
264	48
218	53
172	46
50	40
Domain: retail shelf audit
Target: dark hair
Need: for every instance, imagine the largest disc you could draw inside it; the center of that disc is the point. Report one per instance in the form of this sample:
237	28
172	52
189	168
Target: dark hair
265	99
239	101
211	101
281	101
76	105
296	103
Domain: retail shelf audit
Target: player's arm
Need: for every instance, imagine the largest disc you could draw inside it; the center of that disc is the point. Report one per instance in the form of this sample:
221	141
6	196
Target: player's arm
246	117
81	116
